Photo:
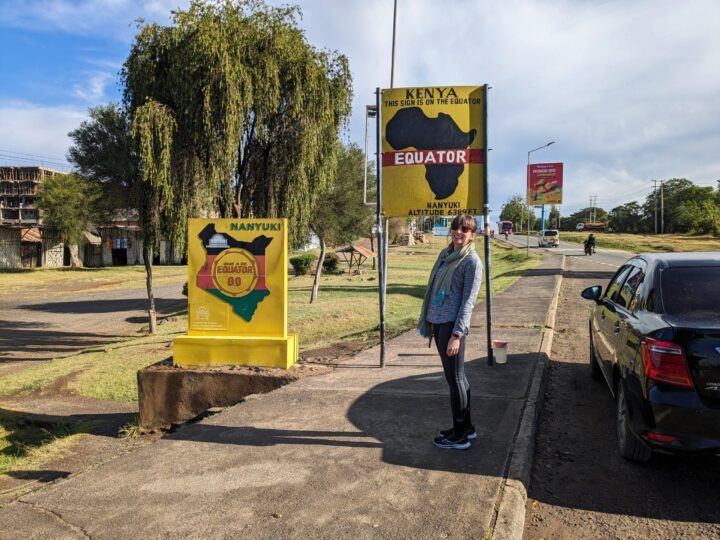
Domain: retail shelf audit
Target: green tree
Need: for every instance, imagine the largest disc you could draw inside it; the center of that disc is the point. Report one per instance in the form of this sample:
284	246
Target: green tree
340	216
103	150
699	216
668	196
517	211
232	109
68	205
627	218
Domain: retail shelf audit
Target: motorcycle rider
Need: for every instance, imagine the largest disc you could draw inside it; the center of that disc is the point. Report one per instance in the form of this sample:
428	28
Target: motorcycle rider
590	242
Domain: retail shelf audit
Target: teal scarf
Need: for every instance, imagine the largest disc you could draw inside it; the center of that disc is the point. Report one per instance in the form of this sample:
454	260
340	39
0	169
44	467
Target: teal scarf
438	289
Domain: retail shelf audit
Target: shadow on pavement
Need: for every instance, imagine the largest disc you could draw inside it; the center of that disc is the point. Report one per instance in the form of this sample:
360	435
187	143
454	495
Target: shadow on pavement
41	476
105	424
533	272
602	276
401	417
23	339
107	306
250	436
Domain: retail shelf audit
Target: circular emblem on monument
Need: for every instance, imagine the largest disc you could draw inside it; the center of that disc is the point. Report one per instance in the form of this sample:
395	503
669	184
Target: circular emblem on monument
235	272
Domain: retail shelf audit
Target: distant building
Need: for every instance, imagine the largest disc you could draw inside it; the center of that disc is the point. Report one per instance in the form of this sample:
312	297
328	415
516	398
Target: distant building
22	244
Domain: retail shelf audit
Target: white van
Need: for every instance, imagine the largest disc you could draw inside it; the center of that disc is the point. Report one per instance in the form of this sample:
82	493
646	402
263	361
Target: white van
549	238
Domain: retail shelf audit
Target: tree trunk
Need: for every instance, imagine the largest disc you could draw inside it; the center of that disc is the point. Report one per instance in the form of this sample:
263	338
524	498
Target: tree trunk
75	261
318	272
152	317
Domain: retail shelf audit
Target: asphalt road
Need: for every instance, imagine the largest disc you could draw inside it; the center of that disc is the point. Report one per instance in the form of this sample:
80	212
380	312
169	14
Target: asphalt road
33	328
581	487
610	258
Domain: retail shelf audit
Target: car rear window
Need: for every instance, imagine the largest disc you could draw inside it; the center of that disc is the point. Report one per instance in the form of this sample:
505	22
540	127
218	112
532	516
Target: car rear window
550	233
691	290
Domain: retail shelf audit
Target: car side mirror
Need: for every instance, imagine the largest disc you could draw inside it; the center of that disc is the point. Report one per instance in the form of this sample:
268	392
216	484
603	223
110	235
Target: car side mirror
592	293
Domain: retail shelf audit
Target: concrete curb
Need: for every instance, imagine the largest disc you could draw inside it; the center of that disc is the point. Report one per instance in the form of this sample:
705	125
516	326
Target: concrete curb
510	521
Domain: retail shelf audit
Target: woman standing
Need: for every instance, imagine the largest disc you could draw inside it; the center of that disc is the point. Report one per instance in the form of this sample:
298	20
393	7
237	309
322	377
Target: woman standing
449	300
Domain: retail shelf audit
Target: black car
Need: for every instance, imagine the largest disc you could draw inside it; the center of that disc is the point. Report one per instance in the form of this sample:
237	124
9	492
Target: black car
655	340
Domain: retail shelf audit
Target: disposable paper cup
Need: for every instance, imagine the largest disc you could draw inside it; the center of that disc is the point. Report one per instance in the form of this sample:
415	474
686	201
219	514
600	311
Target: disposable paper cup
499	351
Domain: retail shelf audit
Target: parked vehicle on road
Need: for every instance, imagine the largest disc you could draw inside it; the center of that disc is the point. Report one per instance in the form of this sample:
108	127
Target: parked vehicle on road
549	238
590	226
505	228
655	340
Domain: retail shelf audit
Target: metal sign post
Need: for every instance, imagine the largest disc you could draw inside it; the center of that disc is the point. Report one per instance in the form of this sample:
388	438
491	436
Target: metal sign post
382	268
486	231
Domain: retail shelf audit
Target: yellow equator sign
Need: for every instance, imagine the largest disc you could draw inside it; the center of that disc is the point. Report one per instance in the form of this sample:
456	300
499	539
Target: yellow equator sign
433	150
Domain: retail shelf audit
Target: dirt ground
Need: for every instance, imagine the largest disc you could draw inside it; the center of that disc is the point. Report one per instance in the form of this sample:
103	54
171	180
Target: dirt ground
580	486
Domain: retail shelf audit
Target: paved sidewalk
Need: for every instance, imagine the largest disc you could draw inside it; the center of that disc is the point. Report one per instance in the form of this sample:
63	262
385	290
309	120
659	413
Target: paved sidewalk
347	454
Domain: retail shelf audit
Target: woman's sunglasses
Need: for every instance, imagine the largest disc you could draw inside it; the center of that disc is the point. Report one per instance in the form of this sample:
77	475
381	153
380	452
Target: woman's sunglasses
463	229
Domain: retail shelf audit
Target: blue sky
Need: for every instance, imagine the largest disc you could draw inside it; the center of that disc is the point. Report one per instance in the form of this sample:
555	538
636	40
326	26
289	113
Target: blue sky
628	90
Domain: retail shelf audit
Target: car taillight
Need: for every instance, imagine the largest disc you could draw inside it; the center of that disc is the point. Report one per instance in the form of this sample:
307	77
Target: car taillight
659	437
665	362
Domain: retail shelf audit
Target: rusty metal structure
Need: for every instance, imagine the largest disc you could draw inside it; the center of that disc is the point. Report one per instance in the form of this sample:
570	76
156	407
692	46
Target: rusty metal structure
22	243
18	194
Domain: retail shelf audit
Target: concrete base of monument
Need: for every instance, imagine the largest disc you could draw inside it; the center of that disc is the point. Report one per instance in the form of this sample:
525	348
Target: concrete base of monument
276	352
170	395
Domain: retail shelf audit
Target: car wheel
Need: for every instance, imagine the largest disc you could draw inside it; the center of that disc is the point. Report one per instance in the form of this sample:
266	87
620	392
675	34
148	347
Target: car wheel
595	371
628	445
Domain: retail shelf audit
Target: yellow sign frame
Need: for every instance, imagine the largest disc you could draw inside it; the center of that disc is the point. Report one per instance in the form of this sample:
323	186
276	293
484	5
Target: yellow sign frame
237	295
433	150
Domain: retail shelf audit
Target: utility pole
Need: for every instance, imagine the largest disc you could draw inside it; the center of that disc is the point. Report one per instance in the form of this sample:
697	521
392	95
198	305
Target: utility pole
662	208
593	203
655	198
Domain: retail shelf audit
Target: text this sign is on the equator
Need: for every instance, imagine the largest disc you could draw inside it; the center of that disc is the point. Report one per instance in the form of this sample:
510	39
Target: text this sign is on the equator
433	150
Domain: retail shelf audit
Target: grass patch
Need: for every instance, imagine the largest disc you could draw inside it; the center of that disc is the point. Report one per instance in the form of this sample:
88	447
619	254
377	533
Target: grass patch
48	280
104	372
346	310
647	243
24	444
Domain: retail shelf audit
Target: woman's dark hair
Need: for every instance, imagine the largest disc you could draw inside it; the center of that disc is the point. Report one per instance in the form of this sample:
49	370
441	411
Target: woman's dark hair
464	220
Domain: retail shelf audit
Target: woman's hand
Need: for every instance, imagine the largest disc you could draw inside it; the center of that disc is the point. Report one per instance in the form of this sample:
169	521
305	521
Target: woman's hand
453	345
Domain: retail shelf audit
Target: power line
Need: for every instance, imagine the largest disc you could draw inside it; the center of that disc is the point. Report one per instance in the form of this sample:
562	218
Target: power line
33	155
9	160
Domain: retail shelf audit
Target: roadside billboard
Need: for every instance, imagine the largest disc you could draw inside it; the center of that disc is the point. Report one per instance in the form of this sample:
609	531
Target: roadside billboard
545	182
433	150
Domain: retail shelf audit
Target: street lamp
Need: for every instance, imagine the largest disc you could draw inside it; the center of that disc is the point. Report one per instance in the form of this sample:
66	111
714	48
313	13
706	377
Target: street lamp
527	187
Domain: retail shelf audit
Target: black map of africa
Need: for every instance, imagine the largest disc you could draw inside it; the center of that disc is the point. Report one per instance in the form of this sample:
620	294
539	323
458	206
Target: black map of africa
411	128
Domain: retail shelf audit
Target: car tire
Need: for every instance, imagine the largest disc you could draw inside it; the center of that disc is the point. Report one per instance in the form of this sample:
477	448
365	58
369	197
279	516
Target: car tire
629	446
595	371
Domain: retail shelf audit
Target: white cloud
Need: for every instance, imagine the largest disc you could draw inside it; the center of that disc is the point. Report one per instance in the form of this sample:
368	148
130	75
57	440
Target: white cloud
113	18
29	128
93	89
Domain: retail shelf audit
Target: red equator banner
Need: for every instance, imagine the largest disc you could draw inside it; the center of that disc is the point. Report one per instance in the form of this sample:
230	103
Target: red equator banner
461	156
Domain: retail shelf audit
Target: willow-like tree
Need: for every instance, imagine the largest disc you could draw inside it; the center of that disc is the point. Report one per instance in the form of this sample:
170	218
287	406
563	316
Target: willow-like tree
235	113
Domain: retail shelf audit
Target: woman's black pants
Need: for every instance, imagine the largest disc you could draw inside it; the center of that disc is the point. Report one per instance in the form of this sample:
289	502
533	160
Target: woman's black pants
454	368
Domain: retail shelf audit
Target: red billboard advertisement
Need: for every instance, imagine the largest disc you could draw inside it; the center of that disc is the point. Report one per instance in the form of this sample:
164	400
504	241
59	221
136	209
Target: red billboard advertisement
545	182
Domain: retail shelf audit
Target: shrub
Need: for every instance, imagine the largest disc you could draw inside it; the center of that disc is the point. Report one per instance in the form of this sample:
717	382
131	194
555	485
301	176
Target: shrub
331	262
301	263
